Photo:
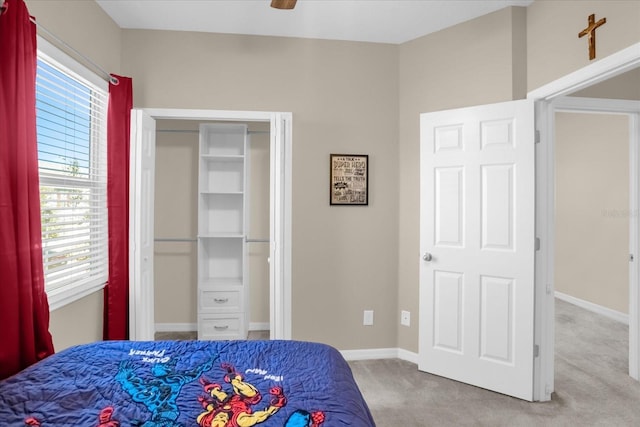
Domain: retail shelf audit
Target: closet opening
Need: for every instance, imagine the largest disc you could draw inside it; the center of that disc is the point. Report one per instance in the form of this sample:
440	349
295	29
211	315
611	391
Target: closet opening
193	222
210	205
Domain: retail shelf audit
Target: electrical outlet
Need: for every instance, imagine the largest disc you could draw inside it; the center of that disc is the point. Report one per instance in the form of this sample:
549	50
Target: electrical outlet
368	318
405	318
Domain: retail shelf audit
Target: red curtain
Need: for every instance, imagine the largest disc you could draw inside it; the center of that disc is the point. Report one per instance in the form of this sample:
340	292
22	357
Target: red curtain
24	310
116	293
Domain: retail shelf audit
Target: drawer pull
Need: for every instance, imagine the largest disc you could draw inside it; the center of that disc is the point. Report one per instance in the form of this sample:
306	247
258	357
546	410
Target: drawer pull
221	300
221	328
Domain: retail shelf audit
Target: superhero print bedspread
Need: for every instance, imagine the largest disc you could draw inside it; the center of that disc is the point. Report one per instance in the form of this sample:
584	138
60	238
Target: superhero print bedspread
186	383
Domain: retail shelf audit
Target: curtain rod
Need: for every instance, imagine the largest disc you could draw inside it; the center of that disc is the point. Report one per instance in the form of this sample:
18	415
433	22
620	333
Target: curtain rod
108	77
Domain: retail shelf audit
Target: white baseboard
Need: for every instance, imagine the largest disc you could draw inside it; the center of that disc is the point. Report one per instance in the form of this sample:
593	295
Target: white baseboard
598	309
380	353
188	327
370	353
176	327
407	355
259	326
366	354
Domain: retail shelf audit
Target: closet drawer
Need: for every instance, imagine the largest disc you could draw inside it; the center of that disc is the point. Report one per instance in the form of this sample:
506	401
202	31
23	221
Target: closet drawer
220	327
220	301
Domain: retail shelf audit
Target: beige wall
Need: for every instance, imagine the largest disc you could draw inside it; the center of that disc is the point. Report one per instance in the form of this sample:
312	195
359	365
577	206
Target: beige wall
350	98
553	46
258	223
77	323
624	86
343	97
176	216
469	64
85	26
592	208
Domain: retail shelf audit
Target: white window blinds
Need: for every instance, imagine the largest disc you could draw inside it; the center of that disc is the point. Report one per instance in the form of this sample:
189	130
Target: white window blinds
72	159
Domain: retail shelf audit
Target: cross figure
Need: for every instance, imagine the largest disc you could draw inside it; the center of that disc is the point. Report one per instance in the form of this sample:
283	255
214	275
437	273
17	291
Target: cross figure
590	32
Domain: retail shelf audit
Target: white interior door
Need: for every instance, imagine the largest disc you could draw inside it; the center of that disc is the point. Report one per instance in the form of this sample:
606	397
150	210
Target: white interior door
477	243
141	190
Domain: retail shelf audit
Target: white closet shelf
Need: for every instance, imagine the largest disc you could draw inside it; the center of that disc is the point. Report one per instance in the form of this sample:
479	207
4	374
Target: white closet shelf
222	275
221	282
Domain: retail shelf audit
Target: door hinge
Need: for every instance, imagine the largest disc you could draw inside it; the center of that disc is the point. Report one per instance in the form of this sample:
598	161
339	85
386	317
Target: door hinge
537	243
630	257
536	351
537	137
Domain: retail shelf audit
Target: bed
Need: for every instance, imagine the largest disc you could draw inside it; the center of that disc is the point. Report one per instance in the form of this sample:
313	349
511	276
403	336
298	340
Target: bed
186	383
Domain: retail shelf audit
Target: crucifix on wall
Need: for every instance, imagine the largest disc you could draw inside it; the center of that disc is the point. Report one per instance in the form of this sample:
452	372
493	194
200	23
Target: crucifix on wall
590	32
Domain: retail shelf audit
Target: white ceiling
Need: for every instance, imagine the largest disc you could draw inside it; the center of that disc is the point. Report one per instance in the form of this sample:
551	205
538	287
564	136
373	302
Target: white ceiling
380	21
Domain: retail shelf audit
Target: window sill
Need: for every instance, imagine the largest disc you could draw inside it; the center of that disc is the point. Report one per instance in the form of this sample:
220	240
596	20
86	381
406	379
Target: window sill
58	298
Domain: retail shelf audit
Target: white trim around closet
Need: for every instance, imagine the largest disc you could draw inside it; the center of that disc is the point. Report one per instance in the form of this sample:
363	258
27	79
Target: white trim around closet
280	191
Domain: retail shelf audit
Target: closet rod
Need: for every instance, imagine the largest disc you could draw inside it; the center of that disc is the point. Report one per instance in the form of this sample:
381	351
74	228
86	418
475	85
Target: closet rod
107	76
251	132
256	240
186	239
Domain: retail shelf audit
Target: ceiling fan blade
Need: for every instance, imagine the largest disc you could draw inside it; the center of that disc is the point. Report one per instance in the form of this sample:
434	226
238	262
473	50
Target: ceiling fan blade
283	4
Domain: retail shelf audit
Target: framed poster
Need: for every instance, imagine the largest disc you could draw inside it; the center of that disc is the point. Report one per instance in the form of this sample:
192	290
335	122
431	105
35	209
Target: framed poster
349	179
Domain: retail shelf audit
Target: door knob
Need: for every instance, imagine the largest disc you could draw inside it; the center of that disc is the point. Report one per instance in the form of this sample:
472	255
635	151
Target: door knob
427	256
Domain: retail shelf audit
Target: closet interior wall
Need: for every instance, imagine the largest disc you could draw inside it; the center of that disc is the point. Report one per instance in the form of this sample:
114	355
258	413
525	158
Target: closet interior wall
176	225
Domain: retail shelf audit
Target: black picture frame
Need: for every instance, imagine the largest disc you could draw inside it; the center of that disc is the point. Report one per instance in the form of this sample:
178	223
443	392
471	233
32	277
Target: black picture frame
349	179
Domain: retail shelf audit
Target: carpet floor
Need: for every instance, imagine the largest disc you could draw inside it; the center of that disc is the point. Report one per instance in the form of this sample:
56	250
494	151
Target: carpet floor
592	386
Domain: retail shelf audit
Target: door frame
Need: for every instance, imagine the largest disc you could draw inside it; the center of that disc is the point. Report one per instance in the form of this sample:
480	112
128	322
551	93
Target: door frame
631	109
547	97
280	214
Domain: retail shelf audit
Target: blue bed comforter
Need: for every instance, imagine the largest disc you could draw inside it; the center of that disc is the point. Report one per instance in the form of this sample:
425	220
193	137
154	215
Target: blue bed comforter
186	383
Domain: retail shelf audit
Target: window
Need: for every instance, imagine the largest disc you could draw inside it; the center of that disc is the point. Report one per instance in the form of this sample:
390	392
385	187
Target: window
71	130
